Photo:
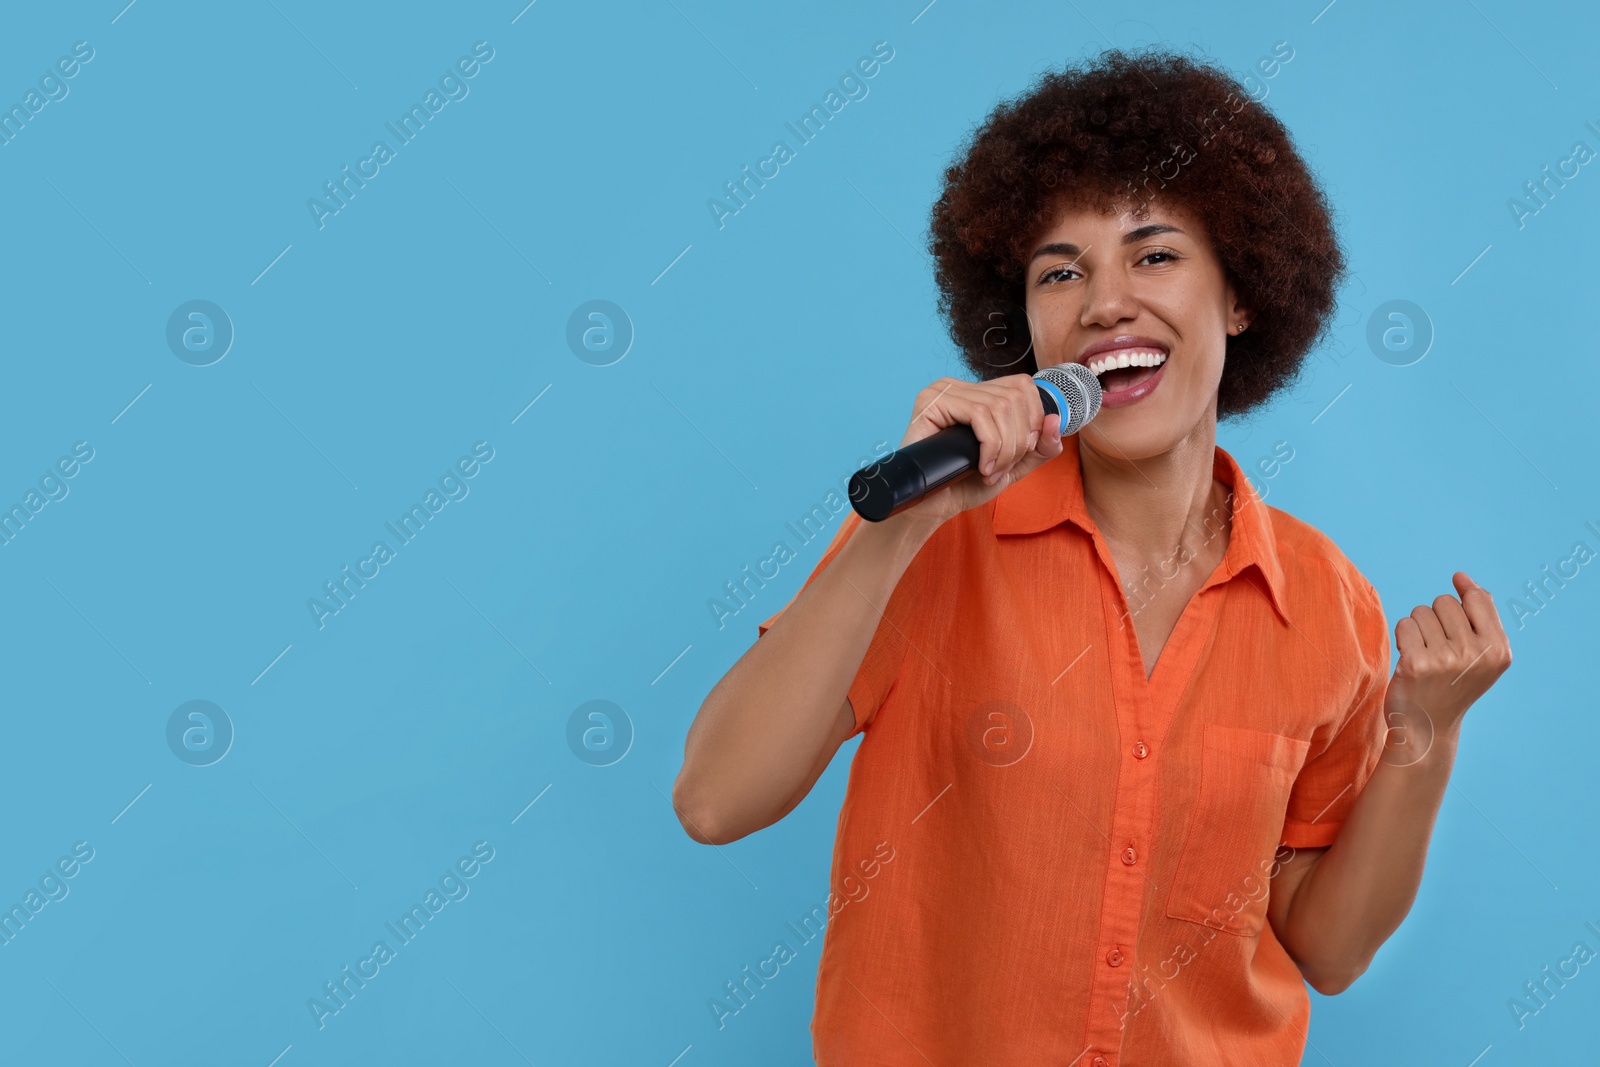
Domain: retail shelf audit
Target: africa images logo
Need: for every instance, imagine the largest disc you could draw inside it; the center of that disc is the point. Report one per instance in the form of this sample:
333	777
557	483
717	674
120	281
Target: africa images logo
807	128
452	87
407	528
453	887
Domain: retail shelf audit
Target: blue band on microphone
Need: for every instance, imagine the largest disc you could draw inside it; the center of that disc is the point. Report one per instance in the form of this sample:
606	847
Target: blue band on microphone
1059	397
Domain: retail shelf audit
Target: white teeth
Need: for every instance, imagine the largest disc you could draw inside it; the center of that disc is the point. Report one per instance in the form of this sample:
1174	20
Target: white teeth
1126	358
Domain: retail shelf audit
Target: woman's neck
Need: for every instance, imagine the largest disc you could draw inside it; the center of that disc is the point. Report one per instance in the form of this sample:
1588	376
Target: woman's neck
1153	506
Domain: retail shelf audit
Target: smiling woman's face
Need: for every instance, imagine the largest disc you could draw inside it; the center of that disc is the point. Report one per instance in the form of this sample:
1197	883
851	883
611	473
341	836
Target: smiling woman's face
1145	290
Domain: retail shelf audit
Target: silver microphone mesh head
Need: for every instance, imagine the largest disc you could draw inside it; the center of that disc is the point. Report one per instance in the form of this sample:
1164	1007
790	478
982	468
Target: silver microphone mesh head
1082	390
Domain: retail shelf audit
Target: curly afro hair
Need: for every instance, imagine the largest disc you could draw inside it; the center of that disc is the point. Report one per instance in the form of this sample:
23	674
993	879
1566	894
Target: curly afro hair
1127	128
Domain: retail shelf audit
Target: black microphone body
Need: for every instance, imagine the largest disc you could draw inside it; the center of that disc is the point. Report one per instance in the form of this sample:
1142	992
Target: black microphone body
902	478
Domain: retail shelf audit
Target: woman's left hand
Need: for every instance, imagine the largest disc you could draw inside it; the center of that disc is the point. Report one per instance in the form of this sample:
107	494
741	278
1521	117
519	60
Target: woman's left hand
1450	654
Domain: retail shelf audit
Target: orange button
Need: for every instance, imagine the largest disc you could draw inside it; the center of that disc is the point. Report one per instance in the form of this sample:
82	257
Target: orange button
1140	750
1114	957
1100	1061
1128	855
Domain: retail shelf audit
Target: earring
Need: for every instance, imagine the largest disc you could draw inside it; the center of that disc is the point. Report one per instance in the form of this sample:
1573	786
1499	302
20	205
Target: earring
1239	328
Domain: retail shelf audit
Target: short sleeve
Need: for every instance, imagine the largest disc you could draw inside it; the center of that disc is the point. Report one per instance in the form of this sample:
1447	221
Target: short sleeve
880	667
1331	780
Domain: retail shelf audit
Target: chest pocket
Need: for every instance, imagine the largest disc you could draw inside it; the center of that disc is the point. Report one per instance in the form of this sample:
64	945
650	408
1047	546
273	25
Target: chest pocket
1222	879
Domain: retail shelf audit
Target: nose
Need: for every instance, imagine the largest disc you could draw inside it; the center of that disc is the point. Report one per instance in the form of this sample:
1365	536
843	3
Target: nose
1108	299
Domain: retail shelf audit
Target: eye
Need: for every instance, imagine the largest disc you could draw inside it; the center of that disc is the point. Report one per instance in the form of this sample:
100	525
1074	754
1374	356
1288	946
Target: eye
1055	273
1166	252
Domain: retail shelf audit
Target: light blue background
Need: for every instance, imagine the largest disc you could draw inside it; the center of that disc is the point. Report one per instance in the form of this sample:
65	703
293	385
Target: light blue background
427	315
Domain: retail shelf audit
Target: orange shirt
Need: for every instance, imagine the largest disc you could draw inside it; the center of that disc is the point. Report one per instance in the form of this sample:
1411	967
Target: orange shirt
1082	857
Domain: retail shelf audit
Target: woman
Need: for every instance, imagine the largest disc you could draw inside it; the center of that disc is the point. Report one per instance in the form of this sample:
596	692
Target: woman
1129	820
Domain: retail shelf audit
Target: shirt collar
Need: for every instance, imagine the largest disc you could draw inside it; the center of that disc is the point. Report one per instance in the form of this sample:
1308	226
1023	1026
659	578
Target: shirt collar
1053	493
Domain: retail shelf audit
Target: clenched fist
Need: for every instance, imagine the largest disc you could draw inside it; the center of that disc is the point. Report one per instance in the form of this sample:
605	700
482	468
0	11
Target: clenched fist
1450	654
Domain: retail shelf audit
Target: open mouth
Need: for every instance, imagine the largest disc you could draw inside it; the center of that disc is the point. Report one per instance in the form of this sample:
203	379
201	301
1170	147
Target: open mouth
1126	368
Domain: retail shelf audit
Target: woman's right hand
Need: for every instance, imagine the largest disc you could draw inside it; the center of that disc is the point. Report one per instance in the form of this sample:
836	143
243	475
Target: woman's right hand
768	729
1014	437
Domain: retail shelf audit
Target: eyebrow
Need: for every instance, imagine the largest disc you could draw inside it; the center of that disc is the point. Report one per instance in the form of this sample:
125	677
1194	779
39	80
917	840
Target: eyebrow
1063	248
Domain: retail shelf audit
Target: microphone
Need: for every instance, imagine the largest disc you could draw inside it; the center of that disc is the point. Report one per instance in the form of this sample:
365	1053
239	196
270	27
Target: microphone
902	478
